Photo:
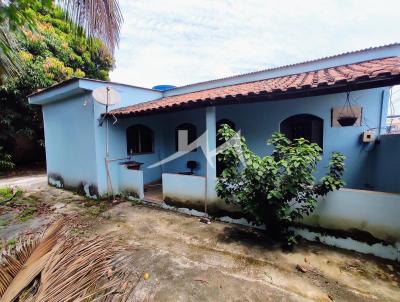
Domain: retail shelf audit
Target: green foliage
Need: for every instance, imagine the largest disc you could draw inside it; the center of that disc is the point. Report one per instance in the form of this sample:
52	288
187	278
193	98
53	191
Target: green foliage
5	160
5	192
50	54
278	189
26	214
11	243
15	16
19	13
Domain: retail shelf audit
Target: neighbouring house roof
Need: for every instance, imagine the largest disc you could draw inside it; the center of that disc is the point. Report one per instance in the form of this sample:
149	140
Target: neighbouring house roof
361	75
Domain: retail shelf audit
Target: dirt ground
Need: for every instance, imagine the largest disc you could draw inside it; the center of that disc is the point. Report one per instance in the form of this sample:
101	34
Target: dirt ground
191	261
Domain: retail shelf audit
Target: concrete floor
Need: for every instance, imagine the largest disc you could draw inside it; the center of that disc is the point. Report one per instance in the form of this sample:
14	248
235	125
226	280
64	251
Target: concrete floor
153	193
191	261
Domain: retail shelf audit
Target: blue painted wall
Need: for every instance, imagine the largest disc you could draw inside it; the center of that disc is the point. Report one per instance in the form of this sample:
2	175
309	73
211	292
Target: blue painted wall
386	167
117	141
163	126
259	120
75	144
70	141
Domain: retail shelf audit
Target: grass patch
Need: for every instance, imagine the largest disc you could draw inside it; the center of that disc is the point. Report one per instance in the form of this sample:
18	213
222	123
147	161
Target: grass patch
26	201
7	193
26	214
11	243
96	208
135	202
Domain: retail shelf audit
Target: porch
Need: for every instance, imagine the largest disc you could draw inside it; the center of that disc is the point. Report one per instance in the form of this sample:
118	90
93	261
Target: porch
152	141
170	169
169	153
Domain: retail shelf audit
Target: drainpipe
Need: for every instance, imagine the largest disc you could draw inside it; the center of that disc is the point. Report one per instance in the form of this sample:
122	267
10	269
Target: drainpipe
381	117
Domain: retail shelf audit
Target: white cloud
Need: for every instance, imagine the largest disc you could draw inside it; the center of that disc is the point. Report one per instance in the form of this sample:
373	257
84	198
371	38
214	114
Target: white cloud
181	42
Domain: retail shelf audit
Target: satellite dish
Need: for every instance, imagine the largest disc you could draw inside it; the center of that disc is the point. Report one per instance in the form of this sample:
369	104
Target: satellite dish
106	96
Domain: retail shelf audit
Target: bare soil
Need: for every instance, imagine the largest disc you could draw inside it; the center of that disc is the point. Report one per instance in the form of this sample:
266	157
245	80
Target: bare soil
187	260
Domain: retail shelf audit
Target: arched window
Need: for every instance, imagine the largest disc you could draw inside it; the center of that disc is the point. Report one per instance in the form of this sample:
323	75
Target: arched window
188	135
139	139
220	165
307	126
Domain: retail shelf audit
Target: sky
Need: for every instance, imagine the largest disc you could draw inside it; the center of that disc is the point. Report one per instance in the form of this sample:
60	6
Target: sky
181	42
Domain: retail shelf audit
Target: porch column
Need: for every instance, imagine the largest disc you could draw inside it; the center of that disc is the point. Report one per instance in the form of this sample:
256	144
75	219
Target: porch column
211	159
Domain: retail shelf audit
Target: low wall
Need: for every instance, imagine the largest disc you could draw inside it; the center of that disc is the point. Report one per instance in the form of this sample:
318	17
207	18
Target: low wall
131	182
376	213
189	191
364	221
186	191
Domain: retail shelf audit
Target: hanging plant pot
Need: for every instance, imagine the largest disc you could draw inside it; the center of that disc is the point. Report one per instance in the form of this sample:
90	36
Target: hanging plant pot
346	121
347	117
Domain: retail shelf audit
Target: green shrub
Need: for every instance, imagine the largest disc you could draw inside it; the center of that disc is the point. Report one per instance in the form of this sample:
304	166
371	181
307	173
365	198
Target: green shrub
5	160
277	189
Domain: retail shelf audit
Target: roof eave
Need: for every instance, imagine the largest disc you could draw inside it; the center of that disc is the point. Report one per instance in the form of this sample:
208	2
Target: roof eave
273	96
73	87
57	92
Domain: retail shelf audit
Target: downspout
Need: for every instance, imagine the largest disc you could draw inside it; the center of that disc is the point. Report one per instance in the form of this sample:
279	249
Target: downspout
383	97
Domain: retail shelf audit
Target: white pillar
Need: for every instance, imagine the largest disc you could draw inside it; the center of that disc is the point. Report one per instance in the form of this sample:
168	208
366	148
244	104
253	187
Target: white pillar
212	160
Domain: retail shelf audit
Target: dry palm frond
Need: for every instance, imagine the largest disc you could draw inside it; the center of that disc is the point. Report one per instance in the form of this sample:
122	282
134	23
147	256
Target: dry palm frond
12	261
79	270
98	18
57	267
33	264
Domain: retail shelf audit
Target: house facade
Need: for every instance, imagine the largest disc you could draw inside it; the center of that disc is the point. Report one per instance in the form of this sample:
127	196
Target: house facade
146	160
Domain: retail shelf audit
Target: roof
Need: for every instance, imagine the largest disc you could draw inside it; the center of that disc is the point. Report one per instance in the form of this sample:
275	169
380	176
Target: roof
76	79
361	75
326	58
77	86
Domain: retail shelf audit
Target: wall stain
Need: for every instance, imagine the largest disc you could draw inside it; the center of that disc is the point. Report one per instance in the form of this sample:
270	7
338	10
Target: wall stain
129	193
83	188
55	180
381	232
213	209
355	234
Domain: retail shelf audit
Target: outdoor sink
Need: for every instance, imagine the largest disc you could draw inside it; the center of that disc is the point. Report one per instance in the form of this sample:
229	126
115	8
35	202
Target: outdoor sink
131	164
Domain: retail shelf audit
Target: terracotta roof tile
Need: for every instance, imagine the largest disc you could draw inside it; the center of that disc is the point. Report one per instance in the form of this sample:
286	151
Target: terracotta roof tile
385	69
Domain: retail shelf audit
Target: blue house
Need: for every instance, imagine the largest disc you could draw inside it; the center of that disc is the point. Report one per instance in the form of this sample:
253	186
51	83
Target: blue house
309	99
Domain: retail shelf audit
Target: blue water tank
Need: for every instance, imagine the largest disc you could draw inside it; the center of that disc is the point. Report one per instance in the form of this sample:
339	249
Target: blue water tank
163	87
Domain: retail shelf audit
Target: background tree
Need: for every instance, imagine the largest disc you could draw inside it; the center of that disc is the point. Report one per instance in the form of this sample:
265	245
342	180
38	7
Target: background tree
51	53
278	189
97	19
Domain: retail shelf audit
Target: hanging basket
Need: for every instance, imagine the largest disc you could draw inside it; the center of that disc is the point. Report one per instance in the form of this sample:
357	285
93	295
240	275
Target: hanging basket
347	117
346	121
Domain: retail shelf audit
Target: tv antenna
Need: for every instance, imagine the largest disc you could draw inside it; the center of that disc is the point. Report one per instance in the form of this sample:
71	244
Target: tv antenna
106	96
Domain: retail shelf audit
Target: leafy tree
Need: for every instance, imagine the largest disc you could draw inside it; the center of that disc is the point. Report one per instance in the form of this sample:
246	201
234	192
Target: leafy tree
278	189
95	18
49	55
